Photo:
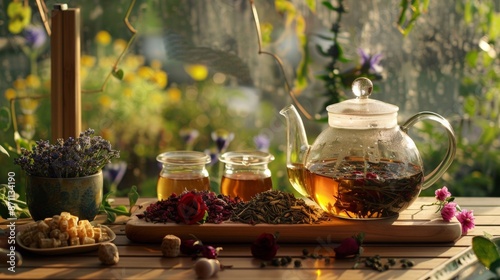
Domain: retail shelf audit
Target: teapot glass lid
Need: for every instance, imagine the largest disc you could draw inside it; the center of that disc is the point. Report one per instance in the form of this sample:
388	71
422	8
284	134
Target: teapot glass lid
362	111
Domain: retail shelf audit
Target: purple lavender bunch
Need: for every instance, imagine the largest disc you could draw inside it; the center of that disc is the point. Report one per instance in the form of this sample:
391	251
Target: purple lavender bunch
83	156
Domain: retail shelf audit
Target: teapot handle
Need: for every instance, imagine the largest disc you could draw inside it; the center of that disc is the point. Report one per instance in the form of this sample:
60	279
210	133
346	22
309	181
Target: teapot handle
433	176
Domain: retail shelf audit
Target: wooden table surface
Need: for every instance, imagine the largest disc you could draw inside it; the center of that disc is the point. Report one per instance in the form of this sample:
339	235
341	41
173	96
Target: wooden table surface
145	261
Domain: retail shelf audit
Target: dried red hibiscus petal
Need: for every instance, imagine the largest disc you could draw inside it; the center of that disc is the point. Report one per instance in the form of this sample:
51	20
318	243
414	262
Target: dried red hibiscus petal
265	247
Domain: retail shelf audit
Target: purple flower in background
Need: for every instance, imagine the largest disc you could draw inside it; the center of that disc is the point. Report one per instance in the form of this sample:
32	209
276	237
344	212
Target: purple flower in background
467	220
214	156
448	211
222	138
189	136
262	142
370	62
114	172
35	36
442	194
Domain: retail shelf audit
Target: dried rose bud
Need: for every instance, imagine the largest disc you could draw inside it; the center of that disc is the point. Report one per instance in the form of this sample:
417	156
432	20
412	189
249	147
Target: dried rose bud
265	247
191	247
347	247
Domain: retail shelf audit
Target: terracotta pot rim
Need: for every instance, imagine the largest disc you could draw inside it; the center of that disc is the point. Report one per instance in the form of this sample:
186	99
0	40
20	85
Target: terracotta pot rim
68	178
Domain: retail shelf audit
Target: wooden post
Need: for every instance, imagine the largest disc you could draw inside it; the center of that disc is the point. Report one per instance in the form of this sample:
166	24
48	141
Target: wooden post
65	72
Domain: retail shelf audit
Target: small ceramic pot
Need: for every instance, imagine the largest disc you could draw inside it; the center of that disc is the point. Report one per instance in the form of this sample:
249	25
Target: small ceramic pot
80	196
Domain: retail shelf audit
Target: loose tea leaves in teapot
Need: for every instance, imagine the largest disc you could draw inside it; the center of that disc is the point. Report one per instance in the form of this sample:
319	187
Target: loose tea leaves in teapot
277	207
354	193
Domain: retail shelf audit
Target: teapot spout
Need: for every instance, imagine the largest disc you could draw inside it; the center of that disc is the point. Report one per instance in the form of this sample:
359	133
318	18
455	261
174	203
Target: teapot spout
297	148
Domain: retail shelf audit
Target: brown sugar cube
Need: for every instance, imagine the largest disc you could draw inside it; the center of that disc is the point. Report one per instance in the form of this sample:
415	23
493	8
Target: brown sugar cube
43	227
72	232
74	241
54	233
108	253
171	246
63	224
72	221
87	240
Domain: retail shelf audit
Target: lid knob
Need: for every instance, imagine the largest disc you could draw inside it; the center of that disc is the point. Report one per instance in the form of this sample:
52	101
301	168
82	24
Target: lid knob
362	87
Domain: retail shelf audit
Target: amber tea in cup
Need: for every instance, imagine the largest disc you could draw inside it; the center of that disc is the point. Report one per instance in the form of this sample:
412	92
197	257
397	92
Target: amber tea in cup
246	174
181	171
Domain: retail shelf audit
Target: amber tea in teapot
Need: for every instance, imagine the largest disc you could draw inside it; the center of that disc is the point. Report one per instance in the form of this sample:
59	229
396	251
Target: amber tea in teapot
352	193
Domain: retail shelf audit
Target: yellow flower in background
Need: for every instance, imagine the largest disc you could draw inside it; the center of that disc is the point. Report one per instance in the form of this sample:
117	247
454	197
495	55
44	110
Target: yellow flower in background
19	84
160	78
87	60
174	94
198	72
103	37
28	105
128	92
119	45
155	98
19	16
106	61
133	61
105	101
129	77
10	93
28	119
145	72
33	81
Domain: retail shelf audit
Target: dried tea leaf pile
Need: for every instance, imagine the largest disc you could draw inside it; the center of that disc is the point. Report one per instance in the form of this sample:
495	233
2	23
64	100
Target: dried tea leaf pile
277	207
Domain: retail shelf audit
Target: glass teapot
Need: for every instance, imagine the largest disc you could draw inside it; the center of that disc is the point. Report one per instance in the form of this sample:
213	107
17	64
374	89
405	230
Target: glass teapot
363	166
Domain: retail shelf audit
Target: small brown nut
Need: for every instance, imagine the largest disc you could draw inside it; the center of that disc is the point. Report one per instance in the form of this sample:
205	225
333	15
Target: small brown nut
108	253
171	246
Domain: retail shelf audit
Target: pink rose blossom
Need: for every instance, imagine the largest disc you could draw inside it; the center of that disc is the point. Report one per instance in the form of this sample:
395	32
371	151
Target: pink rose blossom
466	219
449	210
442	194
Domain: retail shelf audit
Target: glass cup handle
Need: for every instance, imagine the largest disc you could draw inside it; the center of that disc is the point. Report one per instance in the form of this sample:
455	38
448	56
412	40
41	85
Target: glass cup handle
433	176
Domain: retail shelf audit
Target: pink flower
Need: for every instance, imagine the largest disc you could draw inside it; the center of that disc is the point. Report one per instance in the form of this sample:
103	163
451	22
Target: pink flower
442	194
466	219
448	211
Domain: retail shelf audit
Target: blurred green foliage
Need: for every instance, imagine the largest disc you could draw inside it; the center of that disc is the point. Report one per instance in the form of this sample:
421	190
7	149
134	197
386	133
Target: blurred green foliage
476	169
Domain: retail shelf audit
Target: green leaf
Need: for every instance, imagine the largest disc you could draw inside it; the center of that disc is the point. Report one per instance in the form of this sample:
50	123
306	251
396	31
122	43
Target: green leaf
321	51
5	119
111	217
311	4
329	5
486	251
121	208
468	12
118	74
494	31
471	58
133	196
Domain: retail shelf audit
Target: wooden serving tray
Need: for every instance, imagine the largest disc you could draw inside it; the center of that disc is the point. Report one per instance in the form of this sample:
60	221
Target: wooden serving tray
385	230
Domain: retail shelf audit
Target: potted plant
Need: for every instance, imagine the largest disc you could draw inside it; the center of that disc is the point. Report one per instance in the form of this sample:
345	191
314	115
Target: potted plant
66	176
